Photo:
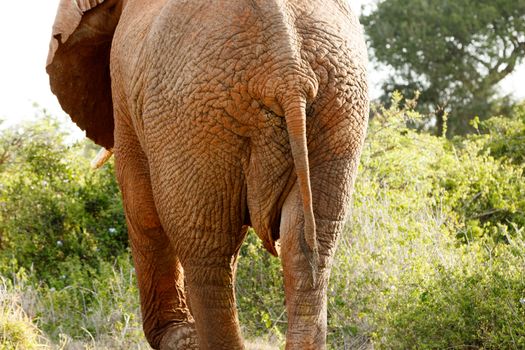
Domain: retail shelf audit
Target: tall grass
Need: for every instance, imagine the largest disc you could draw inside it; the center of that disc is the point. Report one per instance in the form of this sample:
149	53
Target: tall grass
17	330
61	319
45	318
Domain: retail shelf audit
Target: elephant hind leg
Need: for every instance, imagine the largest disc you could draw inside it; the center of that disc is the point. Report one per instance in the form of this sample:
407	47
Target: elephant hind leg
306	302
211	292
210	280
167	321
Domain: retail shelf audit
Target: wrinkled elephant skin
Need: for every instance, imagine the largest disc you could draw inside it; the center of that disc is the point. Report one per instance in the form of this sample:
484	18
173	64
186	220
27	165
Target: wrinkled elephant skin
221	115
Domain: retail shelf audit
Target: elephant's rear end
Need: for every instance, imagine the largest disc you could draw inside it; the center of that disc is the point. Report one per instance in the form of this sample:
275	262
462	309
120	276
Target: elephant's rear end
220	113
207	88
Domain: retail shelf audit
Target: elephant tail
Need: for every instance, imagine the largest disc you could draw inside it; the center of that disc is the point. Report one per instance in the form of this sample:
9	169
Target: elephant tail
295	116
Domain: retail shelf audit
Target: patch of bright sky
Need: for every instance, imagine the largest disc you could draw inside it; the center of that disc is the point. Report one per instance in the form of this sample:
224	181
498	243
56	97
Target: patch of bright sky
25	28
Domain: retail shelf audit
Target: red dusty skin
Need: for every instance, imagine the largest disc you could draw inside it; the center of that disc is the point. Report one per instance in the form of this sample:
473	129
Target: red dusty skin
222	115
295	115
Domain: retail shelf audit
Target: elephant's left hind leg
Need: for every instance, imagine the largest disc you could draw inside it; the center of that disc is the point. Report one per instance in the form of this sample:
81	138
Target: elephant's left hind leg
167	322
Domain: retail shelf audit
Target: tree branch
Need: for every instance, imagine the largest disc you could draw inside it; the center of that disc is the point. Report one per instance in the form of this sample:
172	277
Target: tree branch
496	74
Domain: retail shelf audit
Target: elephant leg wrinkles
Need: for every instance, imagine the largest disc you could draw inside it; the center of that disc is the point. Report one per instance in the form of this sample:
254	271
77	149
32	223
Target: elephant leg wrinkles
167	321
212	298
208	253
306	303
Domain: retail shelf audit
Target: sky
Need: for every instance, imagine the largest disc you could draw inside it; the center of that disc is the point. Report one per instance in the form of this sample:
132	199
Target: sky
25	29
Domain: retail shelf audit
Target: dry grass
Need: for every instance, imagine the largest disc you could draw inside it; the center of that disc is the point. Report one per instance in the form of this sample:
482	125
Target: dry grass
260	345
17	330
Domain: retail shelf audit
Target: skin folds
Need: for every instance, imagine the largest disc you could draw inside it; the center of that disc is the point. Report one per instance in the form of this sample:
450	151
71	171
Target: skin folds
221	115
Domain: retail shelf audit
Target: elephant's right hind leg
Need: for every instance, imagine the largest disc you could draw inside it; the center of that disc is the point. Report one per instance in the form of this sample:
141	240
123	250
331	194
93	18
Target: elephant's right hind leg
167	321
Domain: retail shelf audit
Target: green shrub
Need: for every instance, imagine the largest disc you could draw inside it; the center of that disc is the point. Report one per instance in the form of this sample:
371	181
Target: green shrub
433	253
101	314
505	135
105	308
260	293
475	303
57	216
484	183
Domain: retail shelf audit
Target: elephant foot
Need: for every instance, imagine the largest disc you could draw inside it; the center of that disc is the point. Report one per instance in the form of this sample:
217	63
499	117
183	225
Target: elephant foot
180	337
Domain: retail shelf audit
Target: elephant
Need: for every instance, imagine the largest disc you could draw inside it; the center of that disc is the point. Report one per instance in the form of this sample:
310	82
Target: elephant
222	115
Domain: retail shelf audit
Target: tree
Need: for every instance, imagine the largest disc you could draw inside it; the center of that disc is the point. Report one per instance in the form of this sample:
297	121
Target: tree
454	52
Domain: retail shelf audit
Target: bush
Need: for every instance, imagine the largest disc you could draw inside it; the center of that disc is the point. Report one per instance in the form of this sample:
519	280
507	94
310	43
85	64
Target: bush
105	309
101	314
484	182
57	217
504	136
260	293
419	265
477	304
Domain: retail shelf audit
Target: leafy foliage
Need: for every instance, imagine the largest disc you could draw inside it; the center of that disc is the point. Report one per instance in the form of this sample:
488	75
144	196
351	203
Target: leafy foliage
260	313
453	51
57	217
433	255
506	136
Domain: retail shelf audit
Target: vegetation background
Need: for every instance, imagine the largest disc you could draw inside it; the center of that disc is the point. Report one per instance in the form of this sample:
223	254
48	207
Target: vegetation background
432	257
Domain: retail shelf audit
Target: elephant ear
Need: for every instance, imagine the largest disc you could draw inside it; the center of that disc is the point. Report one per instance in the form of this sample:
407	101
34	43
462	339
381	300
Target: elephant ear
78	64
